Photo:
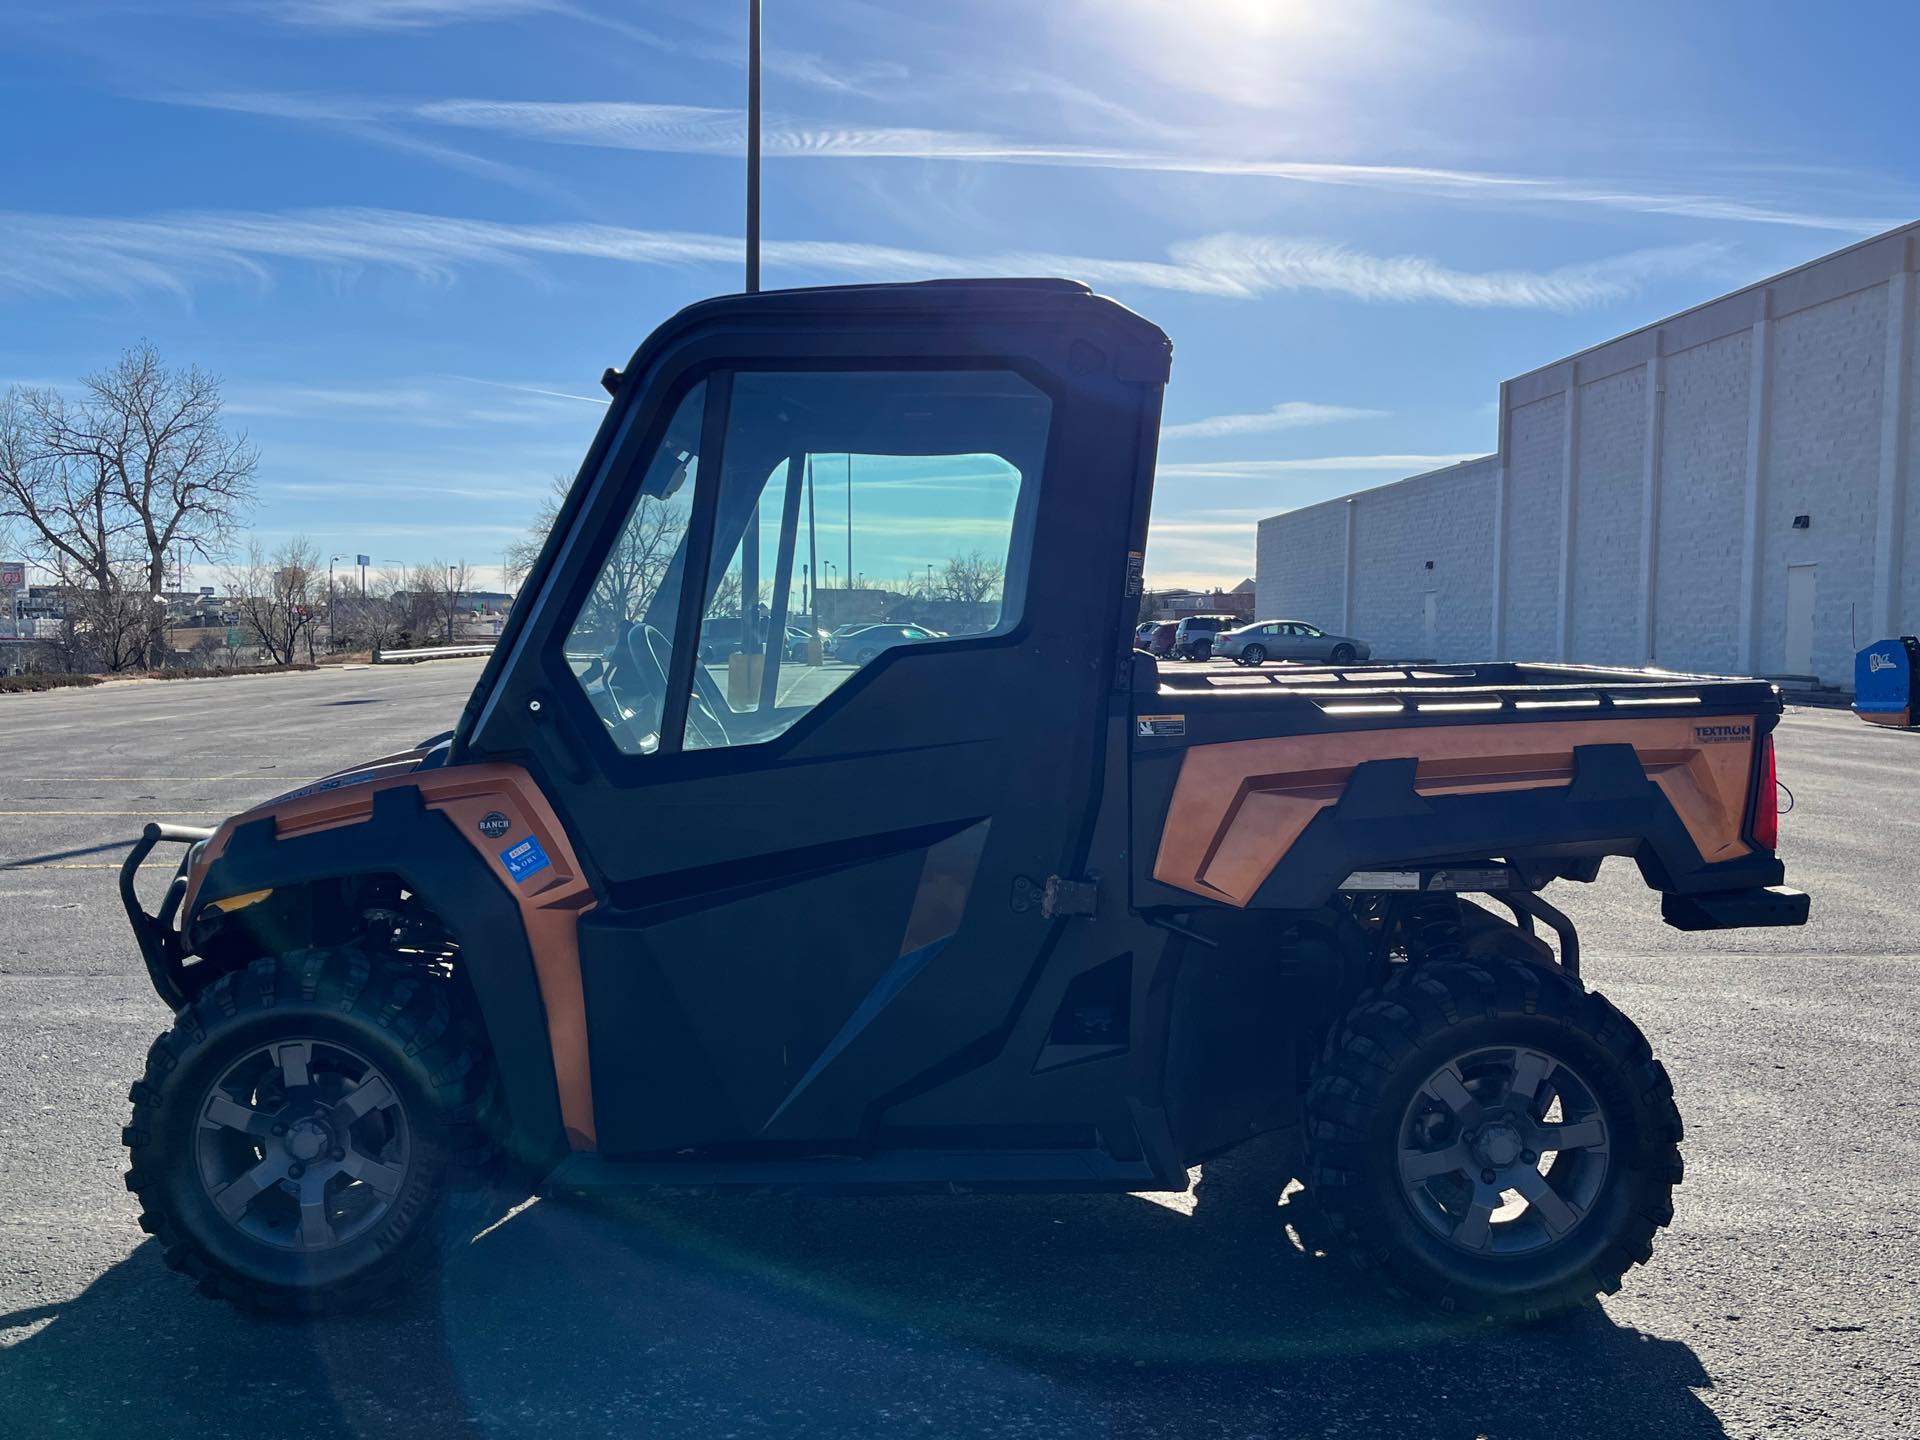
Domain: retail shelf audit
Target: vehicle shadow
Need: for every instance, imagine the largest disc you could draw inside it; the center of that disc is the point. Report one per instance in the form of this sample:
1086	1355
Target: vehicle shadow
1032	1316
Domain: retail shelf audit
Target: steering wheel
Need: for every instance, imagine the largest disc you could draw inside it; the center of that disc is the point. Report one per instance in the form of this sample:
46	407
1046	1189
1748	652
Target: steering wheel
648	660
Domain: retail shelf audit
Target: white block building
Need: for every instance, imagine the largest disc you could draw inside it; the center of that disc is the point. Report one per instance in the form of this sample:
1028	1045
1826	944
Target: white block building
1729	490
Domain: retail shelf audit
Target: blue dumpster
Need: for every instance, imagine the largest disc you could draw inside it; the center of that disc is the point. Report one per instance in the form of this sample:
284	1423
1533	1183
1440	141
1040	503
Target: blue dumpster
1883	681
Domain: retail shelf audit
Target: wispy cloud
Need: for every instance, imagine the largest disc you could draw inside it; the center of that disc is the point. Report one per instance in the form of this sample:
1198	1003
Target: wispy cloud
1263	469
443	402
600	400
404	14
73	255
690	129
1287	415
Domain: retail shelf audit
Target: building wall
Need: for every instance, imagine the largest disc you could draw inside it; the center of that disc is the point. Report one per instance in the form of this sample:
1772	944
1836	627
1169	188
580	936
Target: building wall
1398	531
1535	469
1300	566
1611	449
1823	461
1703	466
1651	486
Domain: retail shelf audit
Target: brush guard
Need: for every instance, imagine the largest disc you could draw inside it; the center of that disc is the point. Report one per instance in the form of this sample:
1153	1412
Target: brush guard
157	936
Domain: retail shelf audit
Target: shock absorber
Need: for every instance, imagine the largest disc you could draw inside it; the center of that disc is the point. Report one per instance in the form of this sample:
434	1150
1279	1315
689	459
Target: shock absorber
1431	930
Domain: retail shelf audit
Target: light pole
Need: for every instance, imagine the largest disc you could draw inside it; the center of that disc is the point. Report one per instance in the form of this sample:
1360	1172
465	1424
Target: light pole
453	601
330	626
753	146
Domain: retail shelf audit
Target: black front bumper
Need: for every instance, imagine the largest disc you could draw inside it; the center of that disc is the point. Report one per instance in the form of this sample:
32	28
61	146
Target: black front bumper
156	935
1735	909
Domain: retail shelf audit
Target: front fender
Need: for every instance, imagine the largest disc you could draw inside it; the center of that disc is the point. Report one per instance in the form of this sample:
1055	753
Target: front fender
441	834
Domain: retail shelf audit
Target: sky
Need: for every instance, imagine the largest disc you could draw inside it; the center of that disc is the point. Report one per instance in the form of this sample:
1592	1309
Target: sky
410	234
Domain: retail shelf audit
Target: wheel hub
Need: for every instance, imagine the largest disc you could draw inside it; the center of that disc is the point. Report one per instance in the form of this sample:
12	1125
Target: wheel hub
1497	1145
303	1144
1503	1150
309	1138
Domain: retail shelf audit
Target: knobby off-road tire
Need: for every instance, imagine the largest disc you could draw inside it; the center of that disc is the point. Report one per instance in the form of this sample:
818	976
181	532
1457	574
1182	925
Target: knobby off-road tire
312	1132
1419	1115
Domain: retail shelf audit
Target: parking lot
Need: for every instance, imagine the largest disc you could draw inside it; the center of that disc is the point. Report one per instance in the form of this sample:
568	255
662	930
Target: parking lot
1785	1299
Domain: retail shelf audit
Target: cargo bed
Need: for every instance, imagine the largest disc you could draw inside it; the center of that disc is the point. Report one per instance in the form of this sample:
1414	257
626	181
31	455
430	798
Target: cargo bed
1272	787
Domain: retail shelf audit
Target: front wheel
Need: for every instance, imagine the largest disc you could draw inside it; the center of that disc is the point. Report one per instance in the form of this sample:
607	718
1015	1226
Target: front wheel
1496	1141
1343	654
302	1131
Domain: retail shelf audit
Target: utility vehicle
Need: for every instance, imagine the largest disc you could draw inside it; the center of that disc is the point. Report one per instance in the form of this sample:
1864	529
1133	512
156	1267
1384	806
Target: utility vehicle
1015	910
1193	636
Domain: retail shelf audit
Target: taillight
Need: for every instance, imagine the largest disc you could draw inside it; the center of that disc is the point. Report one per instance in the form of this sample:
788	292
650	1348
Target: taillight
1766	801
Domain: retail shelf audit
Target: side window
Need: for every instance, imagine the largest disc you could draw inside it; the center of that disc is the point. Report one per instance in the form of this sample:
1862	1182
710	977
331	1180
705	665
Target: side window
620	643
860	515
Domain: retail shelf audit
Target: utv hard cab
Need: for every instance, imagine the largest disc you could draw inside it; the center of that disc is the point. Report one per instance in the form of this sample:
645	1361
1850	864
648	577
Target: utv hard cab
1018	909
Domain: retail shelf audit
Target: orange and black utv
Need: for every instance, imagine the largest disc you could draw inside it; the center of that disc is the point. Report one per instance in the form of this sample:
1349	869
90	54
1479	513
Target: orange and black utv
1010	906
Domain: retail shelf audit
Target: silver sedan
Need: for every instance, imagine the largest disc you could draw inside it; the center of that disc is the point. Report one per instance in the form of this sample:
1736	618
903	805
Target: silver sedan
1266	640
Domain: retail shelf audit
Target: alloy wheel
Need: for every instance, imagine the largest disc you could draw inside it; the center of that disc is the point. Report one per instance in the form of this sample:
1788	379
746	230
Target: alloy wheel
302	1144
1503	1151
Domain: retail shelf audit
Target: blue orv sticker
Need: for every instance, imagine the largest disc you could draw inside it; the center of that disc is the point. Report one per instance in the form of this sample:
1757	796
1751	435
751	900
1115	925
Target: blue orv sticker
526	858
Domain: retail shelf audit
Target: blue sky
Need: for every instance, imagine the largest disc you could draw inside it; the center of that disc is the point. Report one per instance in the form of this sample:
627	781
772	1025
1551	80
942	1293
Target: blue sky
409	234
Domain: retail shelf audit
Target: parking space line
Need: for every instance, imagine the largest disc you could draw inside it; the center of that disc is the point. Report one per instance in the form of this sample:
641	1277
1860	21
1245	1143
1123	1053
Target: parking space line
6	868
150	812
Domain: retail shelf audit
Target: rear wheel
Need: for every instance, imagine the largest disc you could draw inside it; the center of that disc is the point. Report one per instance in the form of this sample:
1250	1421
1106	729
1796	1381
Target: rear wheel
301	1133
1254	655
1496	1141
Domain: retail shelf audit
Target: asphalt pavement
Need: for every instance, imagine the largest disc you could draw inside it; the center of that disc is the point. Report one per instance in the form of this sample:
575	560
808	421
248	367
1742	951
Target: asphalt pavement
1784	1300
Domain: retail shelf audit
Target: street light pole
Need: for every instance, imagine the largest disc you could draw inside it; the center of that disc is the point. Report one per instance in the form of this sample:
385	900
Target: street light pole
453	601
330	624
753	146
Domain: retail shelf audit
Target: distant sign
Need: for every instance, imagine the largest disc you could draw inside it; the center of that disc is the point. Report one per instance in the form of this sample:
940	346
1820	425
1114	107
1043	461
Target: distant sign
363	560
13	575
206	590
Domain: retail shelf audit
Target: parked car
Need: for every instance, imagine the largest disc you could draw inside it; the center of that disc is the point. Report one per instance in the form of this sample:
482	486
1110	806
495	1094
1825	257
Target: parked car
863	643
1160	641
1143	633
797	637
1193	637
722	635
1266	640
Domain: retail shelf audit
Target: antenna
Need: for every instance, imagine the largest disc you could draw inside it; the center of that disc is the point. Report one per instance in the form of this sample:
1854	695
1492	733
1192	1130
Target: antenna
753	146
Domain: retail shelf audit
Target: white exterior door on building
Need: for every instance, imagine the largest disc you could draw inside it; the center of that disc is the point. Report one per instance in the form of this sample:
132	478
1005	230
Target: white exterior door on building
1801	585
1430	625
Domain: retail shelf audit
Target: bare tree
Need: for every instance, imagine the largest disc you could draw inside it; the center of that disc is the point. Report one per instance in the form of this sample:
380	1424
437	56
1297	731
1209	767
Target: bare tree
138	468
277	597
635	569
66	507
430	600
970	579
372	620
155	442
517	559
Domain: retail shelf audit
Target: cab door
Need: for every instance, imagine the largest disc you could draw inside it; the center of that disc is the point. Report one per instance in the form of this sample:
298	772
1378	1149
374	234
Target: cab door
810	878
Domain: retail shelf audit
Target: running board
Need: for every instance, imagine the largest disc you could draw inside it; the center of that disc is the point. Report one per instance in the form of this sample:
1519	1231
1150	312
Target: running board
938	1171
